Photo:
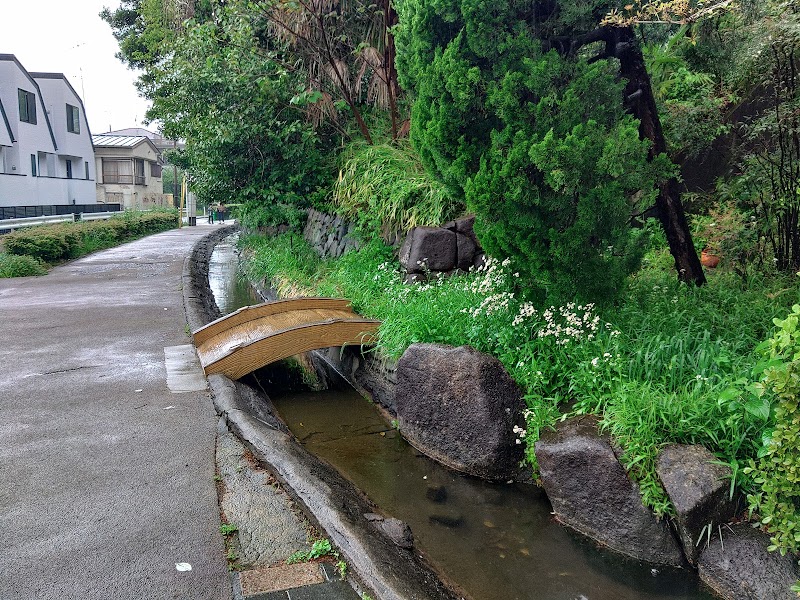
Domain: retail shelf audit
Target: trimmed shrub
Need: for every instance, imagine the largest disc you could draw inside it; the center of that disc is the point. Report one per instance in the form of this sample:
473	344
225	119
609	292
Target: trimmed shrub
51	243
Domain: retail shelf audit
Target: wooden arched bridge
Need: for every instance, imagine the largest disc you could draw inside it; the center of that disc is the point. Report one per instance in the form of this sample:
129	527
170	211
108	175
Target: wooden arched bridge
255	336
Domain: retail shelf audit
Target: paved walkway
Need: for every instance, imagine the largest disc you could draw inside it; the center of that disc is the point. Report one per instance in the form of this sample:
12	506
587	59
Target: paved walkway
107	475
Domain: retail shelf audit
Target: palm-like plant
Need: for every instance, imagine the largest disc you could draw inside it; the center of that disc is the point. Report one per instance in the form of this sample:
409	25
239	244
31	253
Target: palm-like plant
347	49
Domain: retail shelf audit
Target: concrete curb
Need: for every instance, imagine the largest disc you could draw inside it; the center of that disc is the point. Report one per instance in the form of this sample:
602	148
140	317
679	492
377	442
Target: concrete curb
332	503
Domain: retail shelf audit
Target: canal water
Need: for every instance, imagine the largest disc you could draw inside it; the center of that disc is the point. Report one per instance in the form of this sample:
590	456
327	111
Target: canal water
231	290
496	541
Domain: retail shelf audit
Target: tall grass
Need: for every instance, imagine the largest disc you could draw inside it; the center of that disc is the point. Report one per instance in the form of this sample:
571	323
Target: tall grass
384	188
20	266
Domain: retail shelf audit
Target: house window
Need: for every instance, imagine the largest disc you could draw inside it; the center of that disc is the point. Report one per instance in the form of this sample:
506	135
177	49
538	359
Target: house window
155	170
47	164
27	107
86	167
33	165
117	171
73	119
69	169
138	173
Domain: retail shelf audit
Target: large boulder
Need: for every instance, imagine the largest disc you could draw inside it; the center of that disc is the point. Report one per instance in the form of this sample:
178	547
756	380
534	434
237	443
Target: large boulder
591	492
459	407
464	225
698	488
741	568
430	248
466	250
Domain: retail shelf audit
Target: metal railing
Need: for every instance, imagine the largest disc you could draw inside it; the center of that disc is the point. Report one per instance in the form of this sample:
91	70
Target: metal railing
100	215
11	224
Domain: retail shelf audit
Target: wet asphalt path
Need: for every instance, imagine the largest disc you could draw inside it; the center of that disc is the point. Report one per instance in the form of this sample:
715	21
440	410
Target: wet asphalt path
107	476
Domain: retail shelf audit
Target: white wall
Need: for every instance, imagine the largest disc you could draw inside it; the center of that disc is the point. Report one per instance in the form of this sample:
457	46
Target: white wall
74	146
43	191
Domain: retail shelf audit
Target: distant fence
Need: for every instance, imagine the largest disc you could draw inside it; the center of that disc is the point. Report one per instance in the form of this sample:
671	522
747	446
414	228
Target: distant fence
25	212
7	225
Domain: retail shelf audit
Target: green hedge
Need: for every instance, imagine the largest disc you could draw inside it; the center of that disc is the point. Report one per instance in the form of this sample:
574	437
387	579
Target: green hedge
52	243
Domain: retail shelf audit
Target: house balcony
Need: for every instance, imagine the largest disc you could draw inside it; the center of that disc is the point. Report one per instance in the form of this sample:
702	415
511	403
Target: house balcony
125	179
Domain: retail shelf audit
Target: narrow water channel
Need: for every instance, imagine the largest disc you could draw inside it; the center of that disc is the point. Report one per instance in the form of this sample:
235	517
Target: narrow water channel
231	290
497	541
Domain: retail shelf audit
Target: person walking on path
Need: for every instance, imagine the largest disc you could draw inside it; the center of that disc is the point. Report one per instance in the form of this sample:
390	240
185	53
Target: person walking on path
107	458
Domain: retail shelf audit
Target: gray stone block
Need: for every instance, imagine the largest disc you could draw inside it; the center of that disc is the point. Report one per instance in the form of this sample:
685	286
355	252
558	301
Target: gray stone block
741	568
466	251
591	492
429	247
698	489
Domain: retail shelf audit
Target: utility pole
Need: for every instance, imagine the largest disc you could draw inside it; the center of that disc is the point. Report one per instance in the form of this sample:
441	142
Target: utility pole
174	172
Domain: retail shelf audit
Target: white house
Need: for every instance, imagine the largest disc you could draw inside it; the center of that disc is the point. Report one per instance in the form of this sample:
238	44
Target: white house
46	154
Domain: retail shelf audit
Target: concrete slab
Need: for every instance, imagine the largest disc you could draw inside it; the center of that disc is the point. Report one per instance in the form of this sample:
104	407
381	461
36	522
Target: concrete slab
337	590
184	373
281	577
270	529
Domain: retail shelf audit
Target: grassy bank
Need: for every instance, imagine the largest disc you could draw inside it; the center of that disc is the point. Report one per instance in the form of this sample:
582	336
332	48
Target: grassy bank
669	363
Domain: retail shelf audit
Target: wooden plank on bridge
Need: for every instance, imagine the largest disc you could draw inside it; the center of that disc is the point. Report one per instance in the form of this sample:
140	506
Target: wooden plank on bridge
255	336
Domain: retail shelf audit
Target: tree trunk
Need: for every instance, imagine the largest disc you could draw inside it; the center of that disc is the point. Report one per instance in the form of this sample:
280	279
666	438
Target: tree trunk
389	21
639	100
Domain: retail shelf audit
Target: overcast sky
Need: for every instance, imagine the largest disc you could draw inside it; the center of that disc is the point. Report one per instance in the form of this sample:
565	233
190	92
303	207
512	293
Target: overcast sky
60	36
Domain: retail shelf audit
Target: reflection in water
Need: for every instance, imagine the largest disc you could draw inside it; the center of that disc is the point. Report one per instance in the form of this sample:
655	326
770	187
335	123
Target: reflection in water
498	541
231	291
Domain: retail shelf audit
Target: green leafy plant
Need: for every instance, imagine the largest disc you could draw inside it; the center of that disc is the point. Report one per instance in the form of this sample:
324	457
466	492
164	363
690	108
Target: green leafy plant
318	549
384	189
227	529
341	567
777	471
218	87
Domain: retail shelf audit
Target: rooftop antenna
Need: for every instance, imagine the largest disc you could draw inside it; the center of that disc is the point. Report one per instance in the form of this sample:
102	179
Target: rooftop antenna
83	91
80	69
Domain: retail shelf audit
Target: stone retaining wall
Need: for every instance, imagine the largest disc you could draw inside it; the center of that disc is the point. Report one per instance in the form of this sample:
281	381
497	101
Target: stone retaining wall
330	235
